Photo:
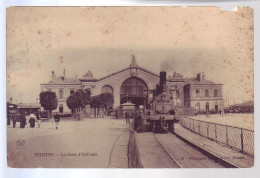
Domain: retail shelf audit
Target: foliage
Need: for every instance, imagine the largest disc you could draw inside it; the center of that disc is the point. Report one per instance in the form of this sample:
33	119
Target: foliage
70	102
95	102
79	99
48	100
107	100
104	100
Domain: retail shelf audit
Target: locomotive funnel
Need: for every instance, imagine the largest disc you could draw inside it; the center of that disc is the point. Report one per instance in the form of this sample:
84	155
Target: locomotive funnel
162	82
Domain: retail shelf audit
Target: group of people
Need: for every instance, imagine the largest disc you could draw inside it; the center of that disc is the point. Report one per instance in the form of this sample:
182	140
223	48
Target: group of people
138	119
130	114
33	118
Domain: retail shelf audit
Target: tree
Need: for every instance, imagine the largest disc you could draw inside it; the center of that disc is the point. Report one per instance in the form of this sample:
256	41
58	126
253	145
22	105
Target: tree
48	101
104	100
71	103
107	100
78	100
95	103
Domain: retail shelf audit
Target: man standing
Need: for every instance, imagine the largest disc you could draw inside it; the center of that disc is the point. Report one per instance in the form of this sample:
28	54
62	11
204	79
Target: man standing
57	120
13	118
22	120
127	118
138	122
38	117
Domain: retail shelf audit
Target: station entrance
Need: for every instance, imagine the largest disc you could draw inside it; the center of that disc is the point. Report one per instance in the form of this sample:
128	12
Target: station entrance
134	90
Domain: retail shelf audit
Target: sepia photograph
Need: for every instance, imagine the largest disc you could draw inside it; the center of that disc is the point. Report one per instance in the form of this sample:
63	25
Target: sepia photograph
129	87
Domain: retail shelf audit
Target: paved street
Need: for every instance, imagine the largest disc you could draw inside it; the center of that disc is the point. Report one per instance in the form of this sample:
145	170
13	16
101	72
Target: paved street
91	143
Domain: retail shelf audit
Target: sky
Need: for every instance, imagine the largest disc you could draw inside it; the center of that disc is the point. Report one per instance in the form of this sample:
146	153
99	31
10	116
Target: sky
102	39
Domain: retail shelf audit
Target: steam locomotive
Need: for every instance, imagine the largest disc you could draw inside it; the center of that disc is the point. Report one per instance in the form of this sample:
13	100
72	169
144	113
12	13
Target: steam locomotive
162	114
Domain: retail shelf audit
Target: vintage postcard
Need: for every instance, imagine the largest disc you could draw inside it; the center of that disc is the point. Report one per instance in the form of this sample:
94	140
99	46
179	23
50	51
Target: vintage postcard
130	87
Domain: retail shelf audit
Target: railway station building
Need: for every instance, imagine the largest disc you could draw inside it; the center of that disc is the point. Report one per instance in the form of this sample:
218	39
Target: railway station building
134	84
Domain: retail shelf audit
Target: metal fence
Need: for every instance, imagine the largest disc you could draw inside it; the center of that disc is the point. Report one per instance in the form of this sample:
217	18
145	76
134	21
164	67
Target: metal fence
234	137
133	154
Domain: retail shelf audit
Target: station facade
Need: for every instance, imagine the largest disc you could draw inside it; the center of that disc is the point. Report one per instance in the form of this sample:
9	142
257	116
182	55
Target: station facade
135	84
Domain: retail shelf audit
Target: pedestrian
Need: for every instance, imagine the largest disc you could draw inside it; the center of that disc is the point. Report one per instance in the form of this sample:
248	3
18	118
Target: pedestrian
32	120
57	119
22	120
138	122
127	120
13	118
101	113
38	117
116	115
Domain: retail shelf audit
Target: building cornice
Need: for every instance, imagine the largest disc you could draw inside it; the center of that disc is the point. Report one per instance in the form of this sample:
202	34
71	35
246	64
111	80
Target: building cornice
199	84
52	84
203	99
125	69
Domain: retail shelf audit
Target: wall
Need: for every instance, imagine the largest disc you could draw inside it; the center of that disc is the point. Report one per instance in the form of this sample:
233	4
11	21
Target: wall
193	99
212	104
116	81
66	93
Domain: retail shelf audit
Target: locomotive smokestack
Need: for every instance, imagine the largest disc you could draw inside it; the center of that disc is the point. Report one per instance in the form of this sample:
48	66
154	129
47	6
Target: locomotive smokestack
163	81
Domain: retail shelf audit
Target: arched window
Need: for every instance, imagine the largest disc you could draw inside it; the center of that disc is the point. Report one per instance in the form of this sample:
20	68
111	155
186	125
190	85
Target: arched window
197	93
197	106
107	89
216	106
207	106
206	93
72	91
61	93
61	108
215	93
133	86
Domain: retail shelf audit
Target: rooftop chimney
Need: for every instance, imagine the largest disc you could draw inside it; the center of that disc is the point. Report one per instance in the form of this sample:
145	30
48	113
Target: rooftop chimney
53	76
198	77
63	77
162	81
203	76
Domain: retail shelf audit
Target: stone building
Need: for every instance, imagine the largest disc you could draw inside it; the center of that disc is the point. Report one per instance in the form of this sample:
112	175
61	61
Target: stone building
63	86
203	95
134	84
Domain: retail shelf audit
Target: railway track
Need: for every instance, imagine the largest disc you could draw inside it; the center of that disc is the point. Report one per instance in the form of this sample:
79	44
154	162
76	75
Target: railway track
188	155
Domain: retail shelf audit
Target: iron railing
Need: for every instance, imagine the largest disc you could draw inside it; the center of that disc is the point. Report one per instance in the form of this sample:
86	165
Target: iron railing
234	137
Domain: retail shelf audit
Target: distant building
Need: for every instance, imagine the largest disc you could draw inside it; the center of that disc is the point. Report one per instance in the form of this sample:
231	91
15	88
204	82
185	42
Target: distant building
11	111
63	87
134	84
202	94
28	108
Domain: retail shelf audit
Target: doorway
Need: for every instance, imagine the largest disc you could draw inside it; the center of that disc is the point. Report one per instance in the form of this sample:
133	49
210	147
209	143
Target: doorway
60	108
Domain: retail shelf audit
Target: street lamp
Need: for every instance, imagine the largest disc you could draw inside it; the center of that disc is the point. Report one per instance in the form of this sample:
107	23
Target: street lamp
11	99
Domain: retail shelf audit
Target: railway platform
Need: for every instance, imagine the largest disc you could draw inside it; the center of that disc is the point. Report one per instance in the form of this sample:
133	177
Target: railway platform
151	153
88	143
231	156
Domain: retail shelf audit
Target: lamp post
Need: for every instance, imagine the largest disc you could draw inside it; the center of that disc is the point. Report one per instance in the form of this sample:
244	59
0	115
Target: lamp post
11	99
